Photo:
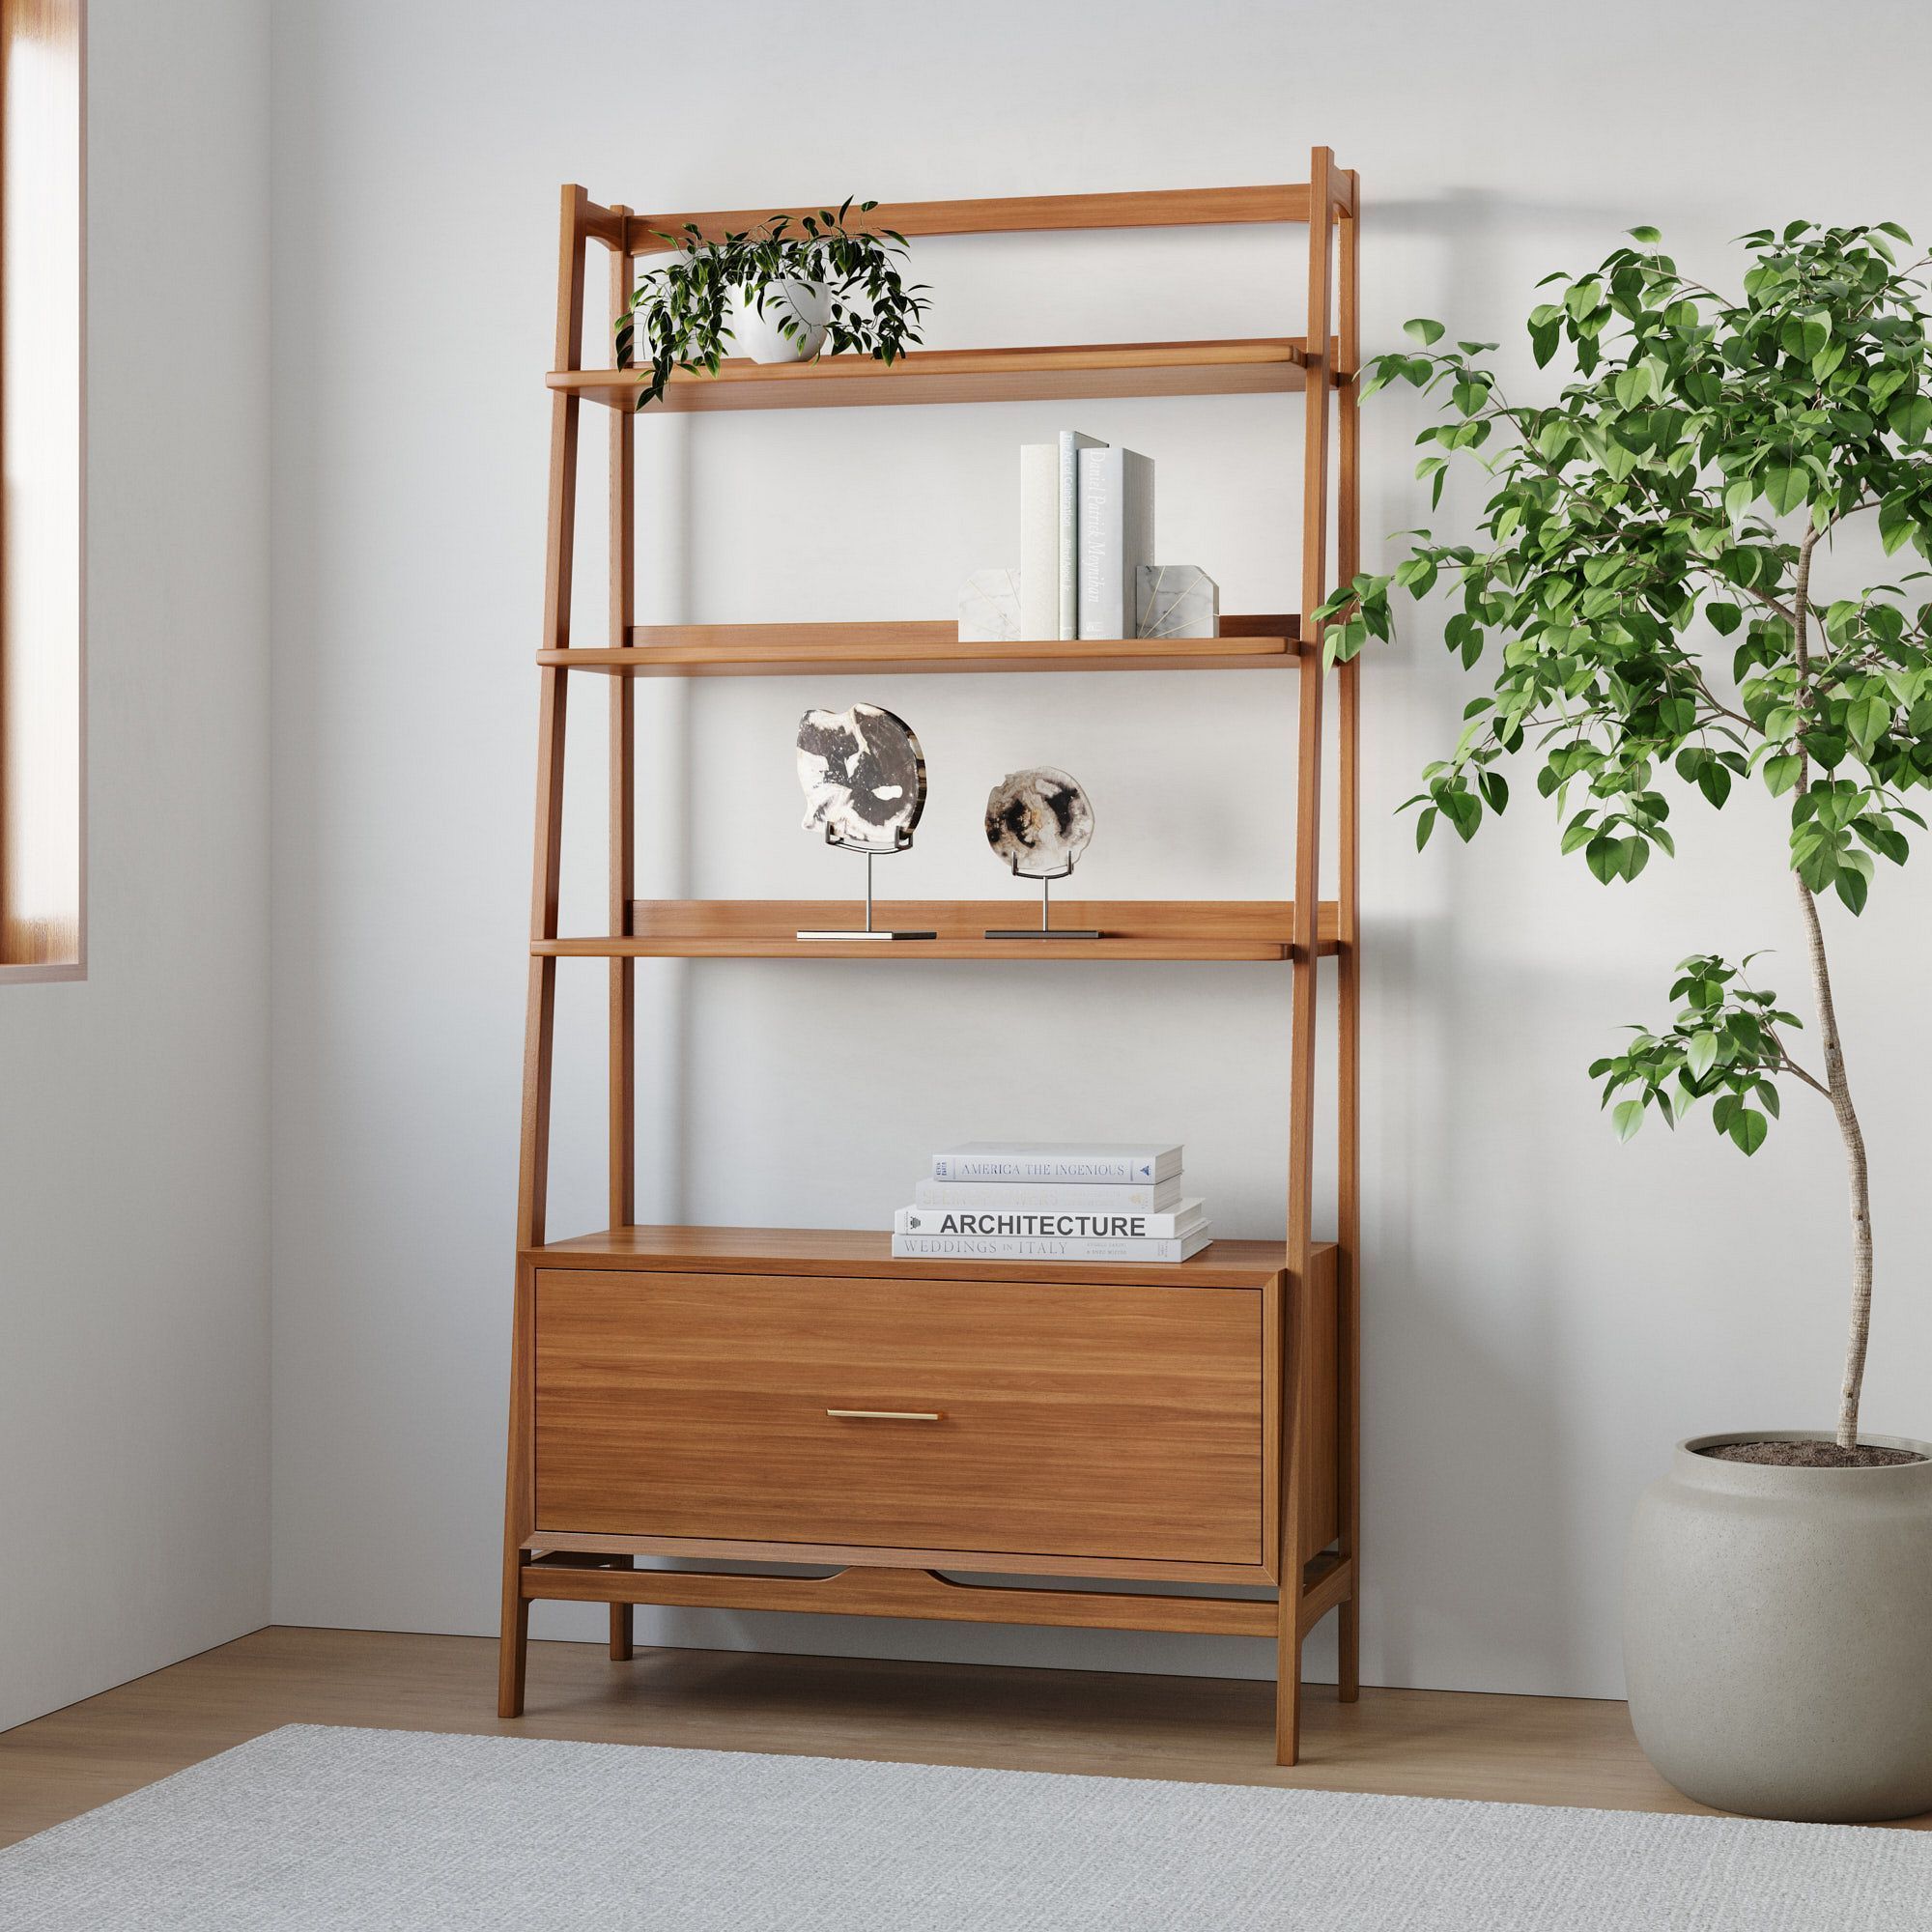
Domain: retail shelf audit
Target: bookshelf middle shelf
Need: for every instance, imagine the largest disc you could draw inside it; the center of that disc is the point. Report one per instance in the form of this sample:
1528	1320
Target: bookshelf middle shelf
1226	930
780	650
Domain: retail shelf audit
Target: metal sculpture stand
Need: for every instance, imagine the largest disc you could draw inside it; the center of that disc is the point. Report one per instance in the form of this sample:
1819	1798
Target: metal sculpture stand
902	842
1045	929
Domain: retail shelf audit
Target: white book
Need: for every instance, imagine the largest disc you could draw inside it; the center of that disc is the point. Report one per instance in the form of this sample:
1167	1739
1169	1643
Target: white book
1040	540
1017	1248
1081	1224
1131	1197
1116	539
1072	444
1077	1161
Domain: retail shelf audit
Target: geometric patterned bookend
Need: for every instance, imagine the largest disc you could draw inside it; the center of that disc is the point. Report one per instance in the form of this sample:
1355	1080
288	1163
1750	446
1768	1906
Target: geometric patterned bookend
1176	599
989	607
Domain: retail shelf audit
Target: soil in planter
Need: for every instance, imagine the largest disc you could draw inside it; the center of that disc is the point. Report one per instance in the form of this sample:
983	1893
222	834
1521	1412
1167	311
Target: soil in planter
1812	1454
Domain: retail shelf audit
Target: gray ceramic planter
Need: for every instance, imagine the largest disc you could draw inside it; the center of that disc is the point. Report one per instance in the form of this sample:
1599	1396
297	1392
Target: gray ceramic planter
1777	1634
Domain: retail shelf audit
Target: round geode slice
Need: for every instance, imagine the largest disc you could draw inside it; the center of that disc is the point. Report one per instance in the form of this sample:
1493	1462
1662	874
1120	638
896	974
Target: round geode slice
1039	821
864	776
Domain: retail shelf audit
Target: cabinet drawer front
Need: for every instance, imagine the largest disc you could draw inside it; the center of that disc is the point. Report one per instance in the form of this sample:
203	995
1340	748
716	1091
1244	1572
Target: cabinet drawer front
1059	1420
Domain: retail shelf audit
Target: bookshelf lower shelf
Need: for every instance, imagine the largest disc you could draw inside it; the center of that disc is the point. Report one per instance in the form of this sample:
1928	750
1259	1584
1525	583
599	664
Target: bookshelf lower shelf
1227	931
864	1252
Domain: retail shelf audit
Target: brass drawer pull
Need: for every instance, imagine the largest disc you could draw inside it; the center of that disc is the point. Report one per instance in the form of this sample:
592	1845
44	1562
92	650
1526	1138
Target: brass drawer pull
886	1414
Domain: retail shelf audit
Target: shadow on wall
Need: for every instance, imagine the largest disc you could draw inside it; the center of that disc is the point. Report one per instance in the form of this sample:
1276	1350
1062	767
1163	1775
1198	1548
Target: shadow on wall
1486	1487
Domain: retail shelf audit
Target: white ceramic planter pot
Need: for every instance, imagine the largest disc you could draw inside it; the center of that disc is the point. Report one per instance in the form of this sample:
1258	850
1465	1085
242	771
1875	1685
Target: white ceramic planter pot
1777	1634
759	336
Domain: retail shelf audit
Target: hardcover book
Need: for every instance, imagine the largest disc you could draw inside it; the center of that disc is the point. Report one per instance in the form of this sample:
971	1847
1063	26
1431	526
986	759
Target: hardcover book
1076	1161
1116	539
1100	1223
1072	444
1040	540
1091	1196
1021	1248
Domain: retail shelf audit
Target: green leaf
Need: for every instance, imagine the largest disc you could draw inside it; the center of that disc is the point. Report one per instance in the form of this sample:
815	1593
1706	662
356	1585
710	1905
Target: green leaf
1897	522
1866	719
1421	329
1628	1118
1713	781
1910	417
1781	772
1700	1055
1644	234
1633	386
1602	857
1785	484
1853	889
1747	1128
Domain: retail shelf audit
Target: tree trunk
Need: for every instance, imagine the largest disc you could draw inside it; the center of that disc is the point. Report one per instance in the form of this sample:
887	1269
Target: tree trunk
1835	1082
1854	1162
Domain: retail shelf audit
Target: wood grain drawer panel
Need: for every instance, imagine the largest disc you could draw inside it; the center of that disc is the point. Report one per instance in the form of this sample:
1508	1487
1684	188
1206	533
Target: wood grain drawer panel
1077	1421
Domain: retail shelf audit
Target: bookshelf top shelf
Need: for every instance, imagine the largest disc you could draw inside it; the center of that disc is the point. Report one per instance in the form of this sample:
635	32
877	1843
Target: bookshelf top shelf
1238	366
1006	214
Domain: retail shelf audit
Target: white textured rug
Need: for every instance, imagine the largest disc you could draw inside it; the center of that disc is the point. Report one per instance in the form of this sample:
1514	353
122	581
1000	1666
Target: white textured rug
311	1828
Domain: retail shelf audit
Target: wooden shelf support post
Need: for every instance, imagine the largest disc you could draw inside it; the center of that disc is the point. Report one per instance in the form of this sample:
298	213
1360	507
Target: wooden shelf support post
540	1016
1297	1384
623	1017
1349	966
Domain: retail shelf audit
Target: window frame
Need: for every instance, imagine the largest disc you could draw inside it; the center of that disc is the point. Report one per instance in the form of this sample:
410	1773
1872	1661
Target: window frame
44	550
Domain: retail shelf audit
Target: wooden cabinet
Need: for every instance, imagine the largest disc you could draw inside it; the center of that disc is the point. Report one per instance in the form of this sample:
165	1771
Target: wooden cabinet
1053	1418
796	1396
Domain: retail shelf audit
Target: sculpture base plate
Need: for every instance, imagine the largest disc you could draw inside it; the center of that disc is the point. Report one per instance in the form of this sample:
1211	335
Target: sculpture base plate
1045	932
862	934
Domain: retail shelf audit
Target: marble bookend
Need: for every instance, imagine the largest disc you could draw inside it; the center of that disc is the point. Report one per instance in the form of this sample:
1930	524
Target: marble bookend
863	777
1039	821
1176	599
989	607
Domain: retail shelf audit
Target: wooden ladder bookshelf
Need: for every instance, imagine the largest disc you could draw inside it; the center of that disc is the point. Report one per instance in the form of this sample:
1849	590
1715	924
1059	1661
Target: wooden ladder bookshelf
1244	1424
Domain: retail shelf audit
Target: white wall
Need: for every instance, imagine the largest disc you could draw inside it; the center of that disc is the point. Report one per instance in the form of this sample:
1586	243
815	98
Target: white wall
133	1106
1545	1313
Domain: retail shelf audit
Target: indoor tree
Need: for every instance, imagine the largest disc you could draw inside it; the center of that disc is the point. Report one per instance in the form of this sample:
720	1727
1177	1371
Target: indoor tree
1657	590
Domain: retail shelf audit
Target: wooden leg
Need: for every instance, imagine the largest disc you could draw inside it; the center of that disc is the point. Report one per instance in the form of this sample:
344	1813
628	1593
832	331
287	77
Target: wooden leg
513	1644
1349	1651
620	1621
1287	1698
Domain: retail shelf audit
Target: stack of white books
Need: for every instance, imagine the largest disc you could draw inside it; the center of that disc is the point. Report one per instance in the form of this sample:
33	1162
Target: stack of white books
1086	530
1070	1201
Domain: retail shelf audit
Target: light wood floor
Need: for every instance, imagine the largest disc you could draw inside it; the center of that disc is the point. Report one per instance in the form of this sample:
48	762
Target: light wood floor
1545	1751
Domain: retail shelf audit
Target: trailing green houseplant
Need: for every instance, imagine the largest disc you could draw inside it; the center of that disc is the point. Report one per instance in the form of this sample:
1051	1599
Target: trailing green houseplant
824	284
1656	594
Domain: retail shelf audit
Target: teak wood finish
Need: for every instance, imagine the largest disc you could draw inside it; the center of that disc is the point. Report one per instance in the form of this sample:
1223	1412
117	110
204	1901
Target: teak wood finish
798	1397
765	650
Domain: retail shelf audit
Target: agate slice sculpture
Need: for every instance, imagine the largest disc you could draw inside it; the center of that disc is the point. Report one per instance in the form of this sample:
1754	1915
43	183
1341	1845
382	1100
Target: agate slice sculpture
1040	821
863	778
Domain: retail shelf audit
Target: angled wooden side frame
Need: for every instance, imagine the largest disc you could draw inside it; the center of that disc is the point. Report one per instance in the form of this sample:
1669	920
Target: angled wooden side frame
1305	1420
